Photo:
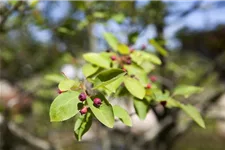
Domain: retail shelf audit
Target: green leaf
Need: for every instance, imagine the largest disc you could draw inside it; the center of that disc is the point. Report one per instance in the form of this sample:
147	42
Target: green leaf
122	114
186	90
112	40
140	56
108	76
54	77
67	84
99	15
89	70
104	113
33	3
137	57
64	106
151	57
160	96
65	30
82	125
159	48
97	59
173	103
141	107
13	2
123	49
134	87
118	17
194	114
139	73
113	86
147	66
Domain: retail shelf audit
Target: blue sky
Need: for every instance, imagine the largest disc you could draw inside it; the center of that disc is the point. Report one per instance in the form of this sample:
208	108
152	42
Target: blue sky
207	17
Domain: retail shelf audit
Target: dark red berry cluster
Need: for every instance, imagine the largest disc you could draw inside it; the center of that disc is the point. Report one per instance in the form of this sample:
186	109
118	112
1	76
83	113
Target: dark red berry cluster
82	97
96	102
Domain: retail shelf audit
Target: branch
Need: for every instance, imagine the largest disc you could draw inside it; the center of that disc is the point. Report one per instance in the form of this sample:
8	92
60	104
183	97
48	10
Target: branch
193	8
4	18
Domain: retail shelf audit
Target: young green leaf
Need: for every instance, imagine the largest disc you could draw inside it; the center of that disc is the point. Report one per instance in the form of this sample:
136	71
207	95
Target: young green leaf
97	59
134	87
141	107
64	106
173	103
104	113
67	84
111	40
54	77
119	17
145	56
89	70
82	125
186	90
151	57
122	114
108	76
160	96
159	48
194	114
123	49
138	72
113	86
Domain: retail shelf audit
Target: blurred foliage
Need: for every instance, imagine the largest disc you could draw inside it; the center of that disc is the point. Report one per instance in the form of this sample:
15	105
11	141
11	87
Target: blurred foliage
26	57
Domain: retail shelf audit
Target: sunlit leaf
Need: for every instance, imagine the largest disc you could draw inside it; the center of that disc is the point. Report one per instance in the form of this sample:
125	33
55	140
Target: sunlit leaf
54	77
119	17
97	59
134	87
108	76
104	113
123	49
89	70
122	114
194	114
67	84
186	90
138	72
111	40
159	48
64	106
113	86
141	107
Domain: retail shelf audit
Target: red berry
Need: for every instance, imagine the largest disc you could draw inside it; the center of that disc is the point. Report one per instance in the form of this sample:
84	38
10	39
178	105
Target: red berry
97	102
153	78
148	86
113	57
82	97
83	110
128	62
163	103
59	91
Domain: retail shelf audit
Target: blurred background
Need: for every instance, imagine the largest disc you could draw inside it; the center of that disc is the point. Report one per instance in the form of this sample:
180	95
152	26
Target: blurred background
41	39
